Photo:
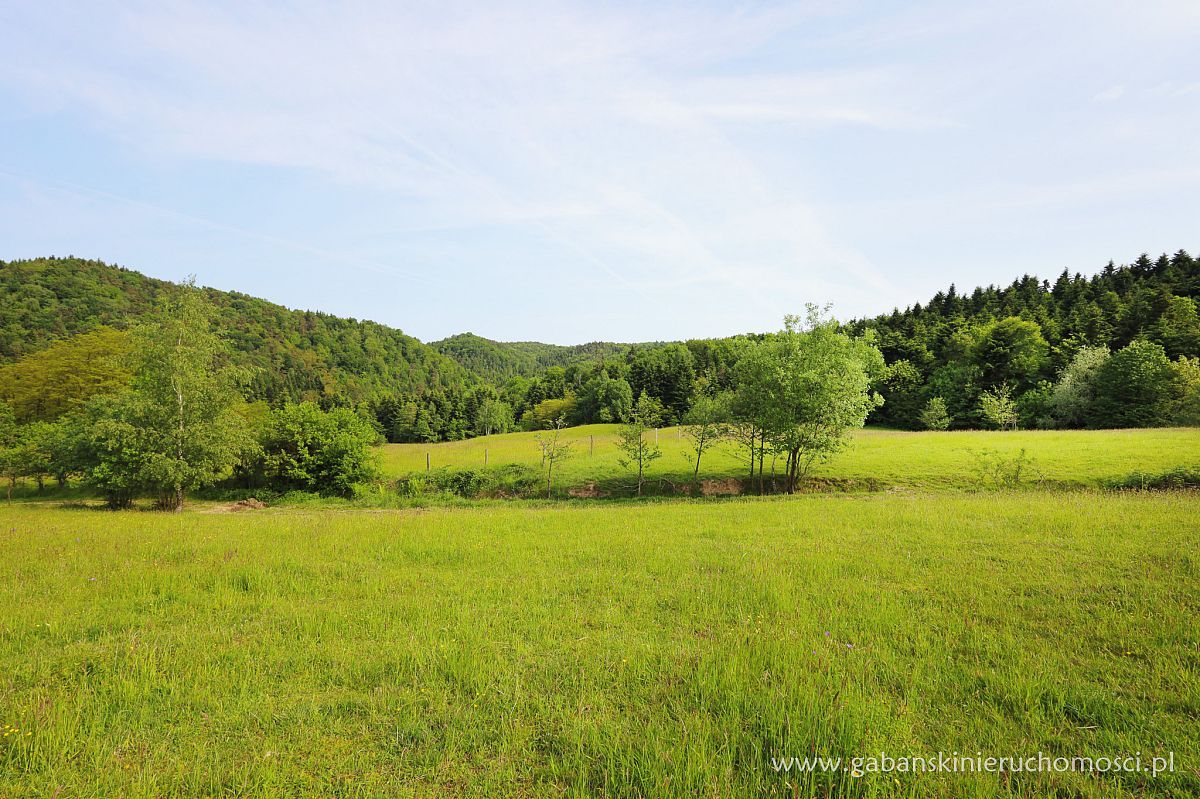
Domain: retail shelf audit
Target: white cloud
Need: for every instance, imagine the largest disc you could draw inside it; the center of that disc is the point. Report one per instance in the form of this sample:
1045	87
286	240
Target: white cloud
591	126
664	145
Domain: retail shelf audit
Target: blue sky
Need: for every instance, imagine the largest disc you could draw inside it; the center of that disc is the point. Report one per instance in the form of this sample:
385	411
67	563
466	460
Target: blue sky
569	172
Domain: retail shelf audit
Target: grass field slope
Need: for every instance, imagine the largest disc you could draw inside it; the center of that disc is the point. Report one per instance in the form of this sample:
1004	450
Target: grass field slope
876	458
663	649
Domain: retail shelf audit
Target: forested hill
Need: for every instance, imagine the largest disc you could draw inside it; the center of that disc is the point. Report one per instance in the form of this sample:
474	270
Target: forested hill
497	361
1035	342
298	354
1024	335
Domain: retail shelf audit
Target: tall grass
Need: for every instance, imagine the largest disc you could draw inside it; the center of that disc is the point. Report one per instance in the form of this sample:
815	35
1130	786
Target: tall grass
668	649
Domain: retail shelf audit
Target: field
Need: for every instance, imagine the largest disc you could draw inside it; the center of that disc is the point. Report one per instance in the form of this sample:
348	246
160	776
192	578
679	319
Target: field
876	457
665	648
661	649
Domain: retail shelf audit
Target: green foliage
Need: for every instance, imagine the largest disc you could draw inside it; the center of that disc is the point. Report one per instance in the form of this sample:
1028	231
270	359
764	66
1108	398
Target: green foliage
648	411
998	409
604	399
666	374
707	423
960	344
993	468
494	416
108	447
47	384
183	393
1181	477
958	384
903	390
1134	387
1187	388
174	429
637	451
548	413
807	387
1010	352
1035	408
934	415
1178	327
1073	395
327	452
293	355
499	482
10	447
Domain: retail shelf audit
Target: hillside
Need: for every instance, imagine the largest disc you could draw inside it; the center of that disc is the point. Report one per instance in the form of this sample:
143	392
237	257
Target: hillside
497	361
1019	338
297	354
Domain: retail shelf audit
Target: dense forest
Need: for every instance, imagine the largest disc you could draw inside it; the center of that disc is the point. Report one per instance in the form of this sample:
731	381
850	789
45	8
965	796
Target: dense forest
292	355
1118	348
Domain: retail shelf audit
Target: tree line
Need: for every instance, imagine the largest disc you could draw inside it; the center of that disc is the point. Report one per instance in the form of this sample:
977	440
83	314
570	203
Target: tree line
1119	349
1116	349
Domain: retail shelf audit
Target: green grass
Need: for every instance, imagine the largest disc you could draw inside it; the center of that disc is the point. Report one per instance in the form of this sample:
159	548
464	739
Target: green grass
918	460
663	649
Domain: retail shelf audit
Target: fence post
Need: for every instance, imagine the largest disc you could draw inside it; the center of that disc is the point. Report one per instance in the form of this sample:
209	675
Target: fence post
426	461
485	456
591	445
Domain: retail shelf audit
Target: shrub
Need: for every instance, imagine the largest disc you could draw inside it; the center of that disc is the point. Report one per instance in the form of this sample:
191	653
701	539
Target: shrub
310	449
1180	477
511	480
934	416
994	468
1134	388
998	409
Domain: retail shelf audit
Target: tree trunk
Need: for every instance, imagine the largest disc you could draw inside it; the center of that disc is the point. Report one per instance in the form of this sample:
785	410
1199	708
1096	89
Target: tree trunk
762	453
178	499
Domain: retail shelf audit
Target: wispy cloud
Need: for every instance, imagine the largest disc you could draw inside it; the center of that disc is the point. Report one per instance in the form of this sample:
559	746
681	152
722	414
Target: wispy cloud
674	149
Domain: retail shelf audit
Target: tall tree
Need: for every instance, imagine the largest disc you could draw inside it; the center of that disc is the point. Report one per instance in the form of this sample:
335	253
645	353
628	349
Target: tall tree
1011	352
812	385
184	395
1134	388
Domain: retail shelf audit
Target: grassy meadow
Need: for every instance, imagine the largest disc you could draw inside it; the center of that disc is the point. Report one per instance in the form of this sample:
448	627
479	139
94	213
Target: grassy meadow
661	649
577	648
875	458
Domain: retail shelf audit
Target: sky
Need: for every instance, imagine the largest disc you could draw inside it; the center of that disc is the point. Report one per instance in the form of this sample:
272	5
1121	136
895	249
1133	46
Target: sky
570	172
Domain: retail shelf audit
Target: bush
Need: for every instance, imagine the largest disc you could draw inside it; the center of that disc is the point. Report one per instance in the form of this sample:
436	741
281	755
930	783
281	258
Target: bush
511	480
1180	477
934	416
993	468
306	448
998	409
1134	388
